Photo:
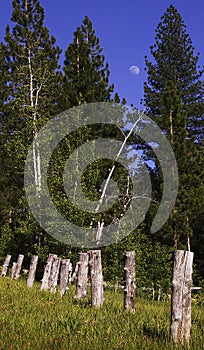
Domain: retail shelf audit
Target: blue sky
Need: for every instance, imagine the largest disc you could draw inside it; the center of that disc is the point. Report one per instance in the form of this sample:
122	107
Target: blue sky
126	30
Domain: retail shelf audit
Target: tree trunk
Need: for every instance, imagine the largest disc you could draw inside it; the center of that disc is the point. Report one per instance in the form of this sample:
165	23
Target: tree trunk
81	288
32	270
130	284
97	298
181	296
153	292
18	267
52	284
64	276
5	265
47	271
159	294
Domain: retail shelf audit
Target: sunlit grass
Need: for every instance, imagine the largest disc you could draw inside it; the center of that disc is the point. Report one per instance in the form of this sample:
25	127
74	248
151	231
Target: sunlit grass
32	319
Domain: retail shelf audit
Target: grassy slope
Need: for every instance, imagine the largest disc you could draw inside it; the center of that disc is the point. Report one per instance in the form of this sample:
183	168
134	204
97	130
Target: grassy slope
30	319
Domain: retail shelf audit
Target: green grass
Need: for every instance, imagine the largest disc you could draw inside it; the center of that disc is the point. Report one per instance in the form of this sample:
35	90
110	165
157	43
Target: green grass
32	319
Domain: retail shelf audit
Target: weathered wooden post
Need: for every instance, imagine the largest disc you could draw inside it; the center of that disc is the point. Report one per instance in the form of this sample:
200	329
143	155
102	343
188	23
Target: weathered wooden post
5	265
70	273
32	270
13	269
18	267
96	275
64	276
75	273
47	271
54	274
130	284
181	296
82	276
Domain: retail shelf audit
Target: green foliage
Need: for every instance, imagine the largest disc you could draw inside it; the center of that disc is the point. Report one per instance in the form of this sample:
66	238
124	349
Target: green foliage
173	97
174	62
33	90
153	262
86	75
30	65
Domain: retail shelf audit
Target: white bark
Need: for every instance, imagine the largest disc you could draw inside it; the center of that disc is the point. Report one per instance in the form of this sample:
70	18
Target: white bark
100	225
34	104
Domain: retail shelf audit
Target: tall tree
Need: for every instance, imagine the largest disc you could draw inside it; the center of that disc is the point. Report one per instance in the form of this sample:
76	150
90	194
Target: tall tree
173	96
86	80
86	75
31	66
174	63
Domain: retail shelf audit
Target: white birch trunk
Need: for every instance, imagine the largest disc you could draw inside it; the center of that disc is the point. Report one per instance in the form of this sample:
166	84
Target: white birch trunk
5	265
100	225
153	292
159	294
32	270
34	105
181	296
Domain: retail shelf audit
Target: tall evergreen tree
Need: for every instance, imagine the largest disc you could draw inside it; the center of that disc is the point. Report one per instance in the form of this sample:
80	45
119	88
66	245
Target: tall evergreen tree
173	96
174	63
31	64
86	75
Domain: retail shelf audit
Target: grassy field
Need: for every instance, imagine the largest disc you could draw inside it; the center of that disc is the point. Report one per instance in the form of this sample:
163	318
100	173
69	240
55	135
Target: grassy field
32	319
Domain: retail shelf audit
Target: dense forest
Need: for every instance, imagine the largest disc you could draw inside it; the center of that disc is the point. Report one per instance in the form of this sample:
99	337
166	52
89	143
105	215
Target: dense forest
35	88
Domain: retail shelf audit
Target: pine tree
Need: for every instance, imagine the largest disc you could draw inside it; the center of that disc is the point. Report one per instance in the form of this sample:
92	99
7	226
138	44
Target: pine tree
173	96
174	62
30	65
86	75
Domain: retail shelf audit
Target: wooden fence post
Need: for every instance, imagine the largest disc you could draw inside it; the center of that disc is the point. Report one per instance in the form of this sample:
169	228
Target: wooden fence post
181	296
82	276
54	274
130	284
18	267
32	270
96	275
70	273
13	269
75	273
64	276
5	265
47	271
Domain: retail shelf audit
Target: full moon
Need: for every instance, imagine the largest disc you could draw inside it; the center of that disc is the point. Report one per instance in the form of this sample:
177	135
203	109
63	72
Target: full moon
134	70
